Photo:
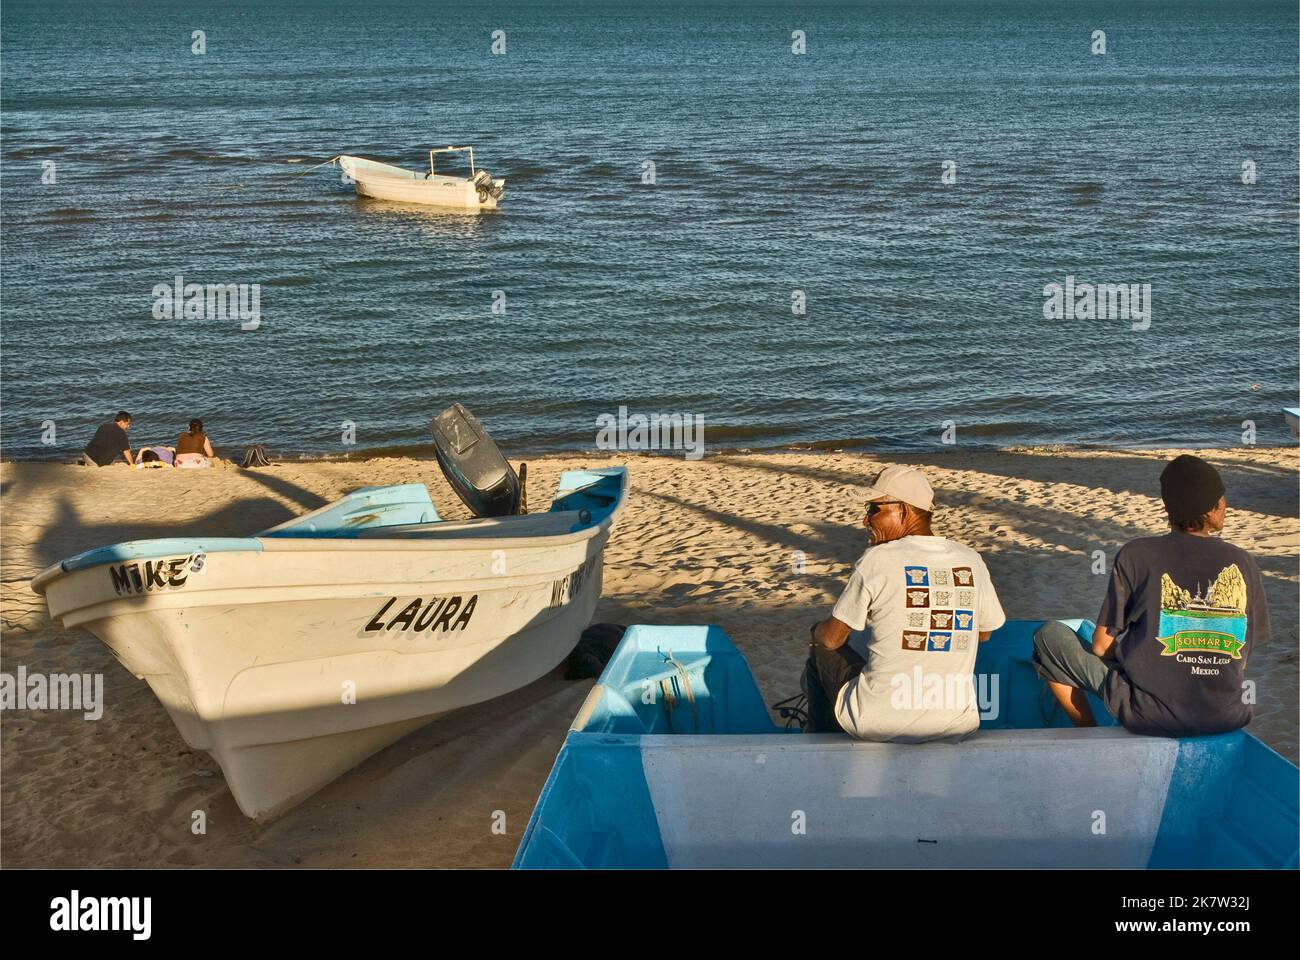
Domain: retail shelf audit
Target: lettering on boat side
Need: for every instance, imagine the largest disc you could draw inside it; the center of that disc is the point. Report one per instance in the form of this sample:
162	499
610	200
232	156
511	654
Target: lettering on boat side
565	589
420	615
151	575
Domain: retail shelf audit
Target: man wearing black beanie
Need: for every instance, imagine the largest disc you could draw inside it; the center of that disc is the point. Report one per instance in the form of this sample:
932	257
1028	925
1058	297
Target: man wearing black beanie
1181	615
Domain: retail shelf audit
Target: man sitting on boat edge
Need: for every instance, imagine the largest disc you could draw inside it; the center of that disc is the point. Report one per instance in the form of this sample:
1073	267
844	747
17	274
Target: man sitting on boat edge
929	602
1182	612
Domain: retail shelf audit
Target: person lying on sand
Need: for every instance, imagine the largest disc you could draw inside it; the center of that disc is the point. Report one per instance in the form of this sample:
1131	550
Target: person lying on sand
110	442
929	602
1181	614
161	456
193	448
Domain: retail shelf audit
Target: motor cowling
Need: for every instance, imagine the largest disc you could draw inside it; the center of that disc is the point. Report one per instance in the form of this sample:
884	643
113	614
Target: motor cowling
487	187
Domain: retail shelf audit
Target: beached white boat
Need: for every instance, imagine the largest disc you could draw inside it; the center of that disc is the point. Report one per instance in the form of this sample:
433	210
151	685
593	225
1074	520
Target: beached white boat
383	181
292	655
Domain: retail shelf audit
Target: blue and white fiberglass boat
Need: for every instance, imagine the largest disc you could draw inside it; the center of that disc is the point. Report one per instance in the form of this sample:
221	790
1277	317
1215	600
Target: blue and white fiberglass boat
673	761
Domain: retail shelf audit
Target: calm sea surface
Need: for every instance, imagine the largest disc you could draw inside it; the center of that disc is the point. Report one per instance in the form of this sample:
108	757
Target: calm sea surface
774	172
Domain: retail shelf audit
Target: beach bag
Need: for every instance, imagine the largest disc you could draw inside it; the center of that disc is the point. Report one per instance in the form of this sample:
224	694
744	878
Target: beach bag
255	456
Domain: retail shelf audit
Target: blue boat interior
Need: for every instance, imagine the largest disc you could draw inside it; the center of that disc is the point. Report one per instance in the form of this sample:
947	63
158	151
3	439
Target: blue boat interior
592	493
1229	801
595	491
364	509
727	699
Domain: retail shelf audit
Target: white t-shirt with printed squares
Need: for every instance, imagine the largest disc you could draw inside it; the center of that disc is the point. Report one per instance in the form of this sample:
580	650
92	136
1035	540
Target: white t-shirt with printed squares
926	599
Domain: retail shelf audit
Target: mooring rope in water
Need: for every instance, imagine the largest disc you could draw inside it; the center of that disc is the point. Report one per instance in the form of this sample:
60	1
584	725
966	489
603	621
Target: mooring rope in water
300	173
303	173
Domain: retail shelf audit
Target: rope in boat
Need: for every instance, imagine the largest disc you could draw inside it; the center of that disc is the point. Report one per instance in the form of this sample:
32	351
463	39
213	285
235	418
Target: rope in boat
667	684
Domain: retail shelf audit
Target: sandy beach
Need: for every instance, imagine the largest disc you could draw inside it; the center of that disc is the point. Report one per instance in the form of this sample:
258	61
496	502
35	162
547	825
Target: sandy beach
757	543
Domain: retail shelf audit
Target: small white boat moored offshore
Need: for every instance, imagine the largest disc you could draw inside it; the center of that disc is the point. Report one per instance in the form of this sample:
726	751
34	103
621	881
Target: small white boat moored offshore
383	181
294	654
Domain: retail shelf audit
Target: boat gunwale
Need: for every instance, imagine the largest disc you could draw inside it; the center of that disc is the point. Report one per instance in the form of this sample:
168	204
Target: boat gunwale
982	738
411	544
170	546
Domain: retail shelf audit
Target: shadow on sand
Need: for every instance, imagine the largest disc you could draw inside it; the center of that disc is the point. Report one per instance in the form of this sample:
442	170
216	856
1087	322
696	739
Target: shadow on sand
69	534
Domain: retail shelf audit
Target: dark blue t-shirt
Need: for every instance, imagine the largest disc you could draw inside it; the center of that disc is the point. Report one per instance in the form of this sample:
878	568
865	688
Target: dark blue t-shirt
1186	612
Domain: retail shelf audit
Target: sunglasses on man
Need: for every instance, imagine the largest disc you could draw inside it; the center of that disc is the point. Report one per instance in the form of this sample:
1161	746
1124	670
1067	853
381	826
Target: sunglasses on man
873	508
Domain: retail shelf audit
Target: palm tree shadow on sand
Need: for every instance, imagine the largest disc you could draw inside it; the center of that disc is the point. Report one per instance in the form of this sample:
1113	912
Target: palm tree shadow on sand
69	534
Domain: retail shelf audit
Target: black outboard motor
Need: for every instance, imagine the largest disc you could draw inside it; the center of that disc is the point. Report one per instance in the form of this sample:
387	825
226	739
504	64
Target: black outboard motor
474	466
487	187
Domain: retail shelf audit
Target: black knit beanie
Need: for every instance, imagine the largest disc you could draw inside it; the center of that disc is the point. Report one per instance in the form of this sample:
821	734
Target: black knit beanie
1190	488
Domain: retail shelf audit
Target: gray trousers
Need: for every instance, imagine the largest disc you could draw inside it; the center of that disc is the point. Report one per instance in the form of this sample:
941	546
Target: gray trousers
1062	656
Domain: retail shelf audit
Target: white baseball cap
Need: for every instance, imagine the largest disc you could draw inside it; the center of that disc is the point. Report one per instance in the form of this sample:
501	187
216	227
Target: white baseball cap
902	483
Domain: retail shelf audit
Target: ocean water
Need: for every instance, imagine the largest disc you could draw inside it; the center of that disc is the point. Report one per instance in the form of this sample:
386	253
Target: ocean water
774	173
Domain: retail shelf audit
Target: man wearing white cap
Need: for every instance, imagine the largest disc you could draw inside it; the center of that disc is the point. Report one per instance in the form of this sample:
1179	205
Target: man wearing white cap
929	602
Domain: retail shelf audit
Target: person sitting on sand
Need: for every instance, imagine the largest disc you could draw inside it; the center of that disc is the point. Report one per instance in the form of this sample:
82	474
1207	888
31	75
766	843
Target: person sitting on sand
193	448
110	442
929	602
1181	614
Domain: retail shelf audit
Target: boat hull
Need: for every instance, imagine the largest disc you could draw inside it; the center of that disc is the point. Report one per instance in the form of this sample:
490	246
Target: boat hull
289	690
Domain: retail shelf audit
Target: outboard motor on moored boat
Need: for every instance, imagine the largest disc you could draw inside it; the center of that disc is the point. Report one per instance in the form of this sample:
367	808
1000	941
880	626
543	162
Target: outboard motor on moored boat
473	465
487	187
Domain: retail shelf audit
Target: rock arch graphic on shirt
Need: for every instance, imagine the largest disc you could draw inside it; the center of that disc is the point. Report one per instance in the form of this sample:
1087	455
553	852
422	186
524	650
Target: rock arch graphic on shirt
1214	621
